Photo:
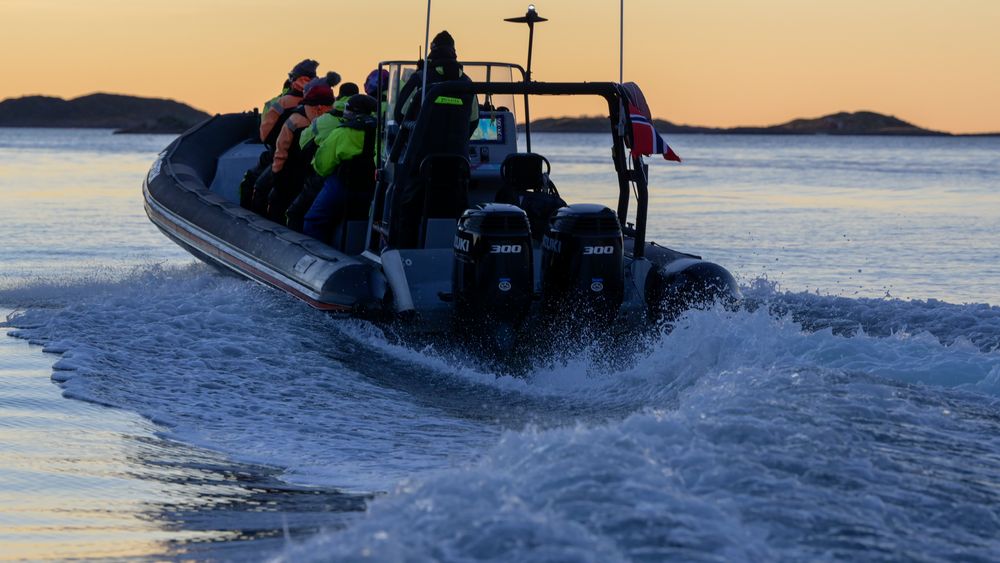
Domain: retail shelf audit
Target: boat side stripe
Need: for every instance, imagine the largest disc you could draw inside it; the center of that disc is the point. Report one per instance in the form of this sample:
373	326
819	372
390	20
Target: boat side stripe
233	258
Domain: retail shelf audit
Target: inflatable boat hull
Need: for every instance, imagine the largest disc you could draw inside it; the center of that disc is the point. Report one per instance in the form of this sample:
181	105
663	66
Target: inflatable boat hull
179	201
191	194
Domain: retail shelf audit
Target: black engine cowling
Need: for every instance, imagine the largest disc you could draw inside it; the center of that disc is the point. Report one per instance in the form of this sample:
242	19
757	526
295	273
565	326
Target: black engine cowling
583	264
493	278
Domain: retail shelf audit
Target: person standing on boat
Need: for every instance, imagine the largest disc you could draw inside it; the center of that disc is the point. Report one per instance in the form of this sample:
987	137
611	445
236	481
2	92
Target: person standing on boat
289	166
439	125
442	60
347	159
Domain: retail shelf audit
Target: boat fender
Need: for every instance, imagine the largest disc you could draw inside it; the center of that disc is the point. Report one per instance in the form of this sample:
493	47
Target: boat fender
688	284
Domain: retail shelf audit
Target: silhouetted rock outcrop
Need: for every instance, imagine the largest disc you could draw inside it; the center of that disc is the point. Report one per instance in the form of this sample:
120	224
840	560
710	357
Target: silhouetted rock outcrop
127	114
843	123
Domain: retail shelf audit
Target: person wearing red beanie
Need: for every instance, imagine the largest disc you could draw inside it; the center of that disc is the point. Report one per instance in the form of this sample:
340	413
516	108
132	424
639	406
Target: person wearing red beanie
289	167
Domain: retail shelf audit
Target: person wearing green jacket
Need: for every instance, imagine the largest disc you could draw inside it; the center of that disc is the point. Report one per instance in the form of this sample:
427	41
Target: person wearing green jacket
309	142
351	143
330	120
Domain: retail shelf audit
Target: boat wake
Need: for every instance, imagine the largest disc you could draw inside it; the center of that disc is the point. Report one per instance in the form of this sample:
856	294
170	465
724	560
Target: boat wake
801	427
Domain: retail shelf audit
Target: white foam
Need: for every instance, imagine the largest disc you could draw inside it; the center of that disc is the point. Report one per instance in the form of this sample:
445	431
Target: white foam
735	435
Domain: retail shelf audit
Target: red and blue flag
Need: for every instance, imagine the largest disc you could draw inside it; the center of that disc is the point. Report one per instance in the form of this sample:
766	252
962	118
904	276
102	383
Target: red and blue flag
645	139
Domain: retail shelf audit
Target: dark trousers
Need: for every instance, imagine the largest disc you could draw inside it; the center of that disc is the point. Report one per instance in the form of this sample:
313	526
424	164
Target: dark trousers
326	210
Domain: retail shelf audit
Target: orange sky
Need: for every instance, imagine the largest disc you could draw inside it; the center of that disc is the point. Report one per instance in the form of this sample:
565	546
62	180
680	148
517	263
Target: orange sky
705	62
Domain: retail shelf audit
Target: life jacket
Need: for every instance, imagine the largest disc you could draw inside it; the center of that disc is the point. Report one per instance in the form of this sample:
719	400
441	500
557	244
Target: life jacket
321	127
288	153
275	118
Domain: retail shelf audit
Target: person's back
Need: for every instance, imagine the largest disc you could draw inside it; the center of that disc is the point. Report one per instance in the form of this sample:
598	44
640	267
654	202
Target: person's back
440	126
289	166
270	103
442	66
324	124
351	143
279	110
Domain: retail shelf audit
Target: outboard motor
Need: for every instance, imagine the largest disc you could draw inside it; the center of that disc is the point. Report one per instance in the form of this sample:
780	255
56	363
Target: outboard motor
583	272
492	279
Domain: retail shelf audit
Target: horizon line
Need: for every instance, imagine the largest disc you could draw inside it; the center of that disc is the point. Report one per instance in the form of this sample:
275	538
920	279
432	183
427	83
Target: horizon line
579	116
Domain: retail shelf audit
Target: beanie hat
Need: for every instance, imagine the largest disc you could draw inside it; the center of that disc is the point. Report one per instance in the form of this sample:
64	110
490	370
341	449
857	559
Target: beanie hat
362	104
442	47
374	79
332	79
347	89
318	95
305	68
312	84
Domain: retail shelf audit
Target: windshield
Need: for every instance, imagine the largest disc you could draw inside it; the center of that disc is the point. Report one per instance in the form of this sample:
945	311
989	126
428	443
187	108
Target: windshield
400	72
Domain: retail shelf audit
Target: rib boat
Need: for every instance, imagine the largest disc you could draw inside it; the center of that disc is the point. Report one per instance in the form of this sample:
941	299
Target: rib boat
463	235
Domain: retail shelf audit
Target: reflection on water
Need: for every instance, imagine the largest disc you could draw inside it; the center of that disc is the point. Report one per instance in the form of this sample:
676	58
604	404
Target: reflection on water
842	216
82	480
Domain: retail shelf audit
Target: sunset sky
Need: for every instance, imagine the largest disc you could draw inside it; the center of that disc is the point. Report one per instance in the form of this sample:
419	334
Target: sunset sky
704	62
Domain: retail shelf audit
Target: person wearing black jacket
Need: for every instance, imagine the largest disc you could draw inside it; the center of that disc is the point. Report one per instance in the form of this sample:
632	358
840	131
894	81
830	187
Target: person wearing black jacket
442	61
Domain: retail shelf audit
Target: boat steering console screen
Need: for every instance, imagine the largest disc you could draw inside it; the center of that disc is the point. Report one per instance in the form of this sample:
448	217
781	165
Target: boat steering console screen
490	130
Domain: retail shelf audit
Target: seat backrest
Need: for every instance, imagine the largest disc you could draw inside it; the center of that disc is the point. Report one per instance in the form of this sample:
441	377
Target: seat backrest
525	171
526	183
440	135
445	180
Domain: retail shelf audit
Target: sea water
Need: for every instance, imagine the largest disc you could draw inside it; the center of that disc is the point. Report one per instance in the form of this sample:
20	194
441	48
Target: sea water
151	407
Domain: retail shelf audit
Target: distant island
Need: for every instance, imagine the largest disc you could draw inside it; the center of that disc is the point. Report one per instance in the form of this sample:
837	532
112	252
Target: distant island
124	114
843	123
133	114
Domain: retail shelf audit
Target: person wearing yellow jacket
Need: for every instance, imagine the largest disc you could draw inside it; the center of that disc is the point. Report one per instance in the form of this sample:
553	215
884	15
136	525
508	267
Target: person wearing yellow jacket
330	120
309	141
344	158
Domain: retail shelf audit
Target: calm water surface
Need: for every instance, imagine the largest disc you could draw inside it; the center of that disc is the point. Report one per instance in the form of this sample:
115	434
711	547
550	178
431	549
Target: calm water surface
150	407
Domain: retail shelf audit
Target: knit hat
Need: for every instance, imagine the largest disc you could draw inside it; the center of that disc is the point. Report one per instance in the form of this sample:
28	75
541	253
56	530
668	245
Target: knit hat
318	95
347	89
442	47
374	78
362	104
312	84
305	68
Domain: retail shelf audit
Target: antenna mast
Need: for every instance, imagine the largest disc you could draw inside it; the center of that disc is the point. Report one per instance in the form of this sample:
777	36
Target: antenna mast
530	17
621	42
427	39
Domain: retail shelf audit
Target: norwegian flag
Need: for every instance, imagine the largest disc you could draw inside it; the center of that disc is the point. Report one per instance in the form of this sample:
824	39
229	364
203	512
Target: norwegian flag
645	139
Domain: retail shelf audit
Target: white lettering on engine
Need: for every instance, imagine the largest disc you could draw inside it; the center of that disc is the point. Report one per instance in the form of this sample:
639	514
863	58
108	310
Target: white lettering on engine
505	249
